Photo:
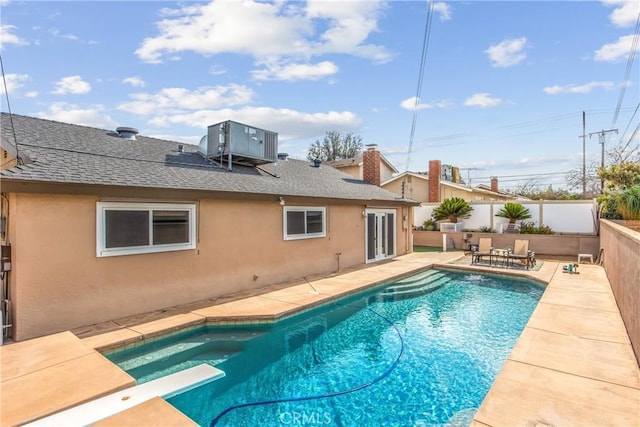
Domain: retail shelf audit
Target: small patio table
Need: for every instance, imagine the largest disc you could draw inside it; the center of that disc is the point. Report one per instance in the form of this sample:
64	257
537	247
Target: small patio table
502	256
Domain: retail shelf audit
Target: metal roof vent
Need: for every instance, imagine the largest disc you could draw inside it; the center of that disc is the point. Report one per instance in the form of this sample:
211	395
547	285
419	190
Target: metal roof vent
127	133
316	163
283	156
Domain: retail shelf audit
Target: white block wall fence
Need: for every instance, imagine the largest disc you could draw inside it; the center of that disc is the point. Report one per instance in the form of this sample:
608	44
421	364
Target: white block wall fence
562	216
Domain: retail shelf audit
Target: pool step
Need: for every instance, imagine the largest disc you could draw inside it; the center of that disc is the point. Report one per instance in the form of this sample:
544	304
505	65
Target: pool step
413	284
414	291
147	362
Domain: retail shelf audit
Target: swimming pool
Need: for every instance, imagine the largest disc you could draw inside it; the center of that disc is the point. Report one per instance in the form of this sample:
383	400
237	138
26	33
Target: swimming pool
420	351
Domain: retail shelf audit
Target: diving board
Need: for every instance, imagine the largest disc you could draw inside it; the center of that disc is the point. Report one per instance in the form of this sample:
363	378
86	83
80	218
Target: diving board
165	387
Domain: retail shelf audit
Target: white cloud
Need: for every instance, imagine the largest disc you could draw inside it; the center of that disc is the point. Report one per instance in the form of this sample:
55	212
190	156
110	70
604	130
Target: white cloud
443	9
414	103
179	99
8	38
72	85
272	33
292	72
14	82
56	33
290	124
507	52
585	88
134	81
90	115
482	100
625	12
617	50
217	70
31	94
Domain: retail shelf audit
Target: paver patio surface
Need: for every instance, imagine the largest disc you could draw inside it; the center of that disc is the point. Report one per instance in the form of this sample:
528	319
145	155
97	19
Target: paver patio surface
573	364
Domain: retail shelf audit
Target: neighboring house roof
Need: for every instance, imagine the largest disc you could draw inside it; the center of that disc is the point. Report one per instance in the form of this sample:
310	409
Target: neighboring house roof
78	155
358	161
450	184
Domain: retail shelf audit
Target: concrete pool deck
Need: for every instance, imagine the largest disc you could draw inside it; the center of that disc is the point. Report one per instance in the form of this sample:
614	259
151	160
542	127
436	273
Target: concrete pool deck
572	365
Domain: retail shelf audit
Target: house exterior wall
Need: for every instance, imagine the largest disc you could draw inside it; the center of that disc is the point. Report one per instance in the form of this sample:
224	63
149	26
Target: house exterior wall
414	188
355	171
386	173
58	282
449	192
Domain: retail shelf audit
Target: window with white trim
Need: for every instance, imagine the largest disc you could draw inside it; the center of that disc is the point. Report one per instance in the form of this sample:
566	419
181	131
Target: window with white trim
137	228
304	222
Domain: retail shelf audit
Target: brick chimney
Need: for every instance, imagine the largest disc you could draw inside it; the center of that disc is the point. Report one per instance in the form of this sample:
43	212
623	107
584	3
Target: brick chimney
435	171
371	164
494	184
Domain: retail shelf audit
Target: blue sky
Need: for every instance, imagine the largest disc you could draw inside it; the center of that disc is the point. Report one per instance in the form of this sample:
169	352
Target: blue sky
503	89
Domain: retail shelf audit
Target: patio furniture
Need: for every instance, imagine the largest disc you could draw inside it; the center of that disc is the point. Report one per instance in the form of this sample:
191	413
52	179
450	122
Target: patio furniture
484	249
585	256
502	256
522	253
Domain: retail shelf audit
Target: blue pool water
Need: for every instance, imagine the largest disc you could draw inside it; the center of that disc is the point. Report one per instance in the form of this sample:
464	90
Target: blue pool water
422	351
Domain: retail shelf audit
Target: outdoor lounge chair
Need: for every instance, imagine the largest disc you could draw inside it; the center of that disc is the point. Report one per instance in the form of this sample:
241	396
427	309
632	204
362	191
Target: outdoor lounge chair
522	253
484	249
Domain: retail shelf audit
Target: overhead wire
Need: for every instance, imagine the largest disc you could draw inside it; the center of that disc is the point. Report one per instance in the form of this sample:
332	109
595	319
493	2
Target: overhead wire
423	61
630	60
13	129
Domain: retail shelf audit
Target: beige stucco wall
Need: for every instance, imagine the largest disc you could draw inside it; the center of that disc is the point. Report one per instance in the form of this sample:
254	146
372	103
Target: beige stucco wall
621	253
414	189
558	245
58	283
354	171
447	192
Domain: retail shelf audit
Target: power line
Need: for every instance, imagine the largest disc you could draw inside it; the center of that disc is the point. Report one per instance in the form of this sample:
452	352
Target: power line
13	129
630	59
423	60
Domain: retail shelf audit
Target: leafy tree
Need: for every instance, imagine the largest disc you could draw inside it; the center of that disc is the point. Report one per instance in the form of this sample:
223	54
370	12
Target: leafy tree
514	212
618	177
335	146
621	176
592	182
452	209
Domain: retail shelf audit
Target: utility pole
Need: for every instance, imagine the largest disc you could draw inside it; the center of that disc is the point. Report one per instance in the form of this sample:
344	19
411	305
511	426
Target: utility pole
601	136
584	157
469	174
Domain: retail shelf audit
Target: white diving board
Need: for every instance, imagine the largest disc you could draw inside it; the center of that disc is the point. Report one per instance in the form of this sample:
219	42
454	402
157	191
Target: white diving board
104	407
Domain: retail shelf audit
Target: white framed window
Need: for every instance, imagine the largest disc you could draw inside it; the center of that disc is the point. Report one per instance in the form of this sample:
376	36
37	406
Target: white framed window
137	228
301	222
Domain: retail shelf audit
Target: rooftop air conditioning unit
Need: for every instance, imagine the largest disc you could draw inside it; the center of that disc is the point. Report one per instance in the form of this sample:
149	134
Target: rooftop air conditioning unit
239	143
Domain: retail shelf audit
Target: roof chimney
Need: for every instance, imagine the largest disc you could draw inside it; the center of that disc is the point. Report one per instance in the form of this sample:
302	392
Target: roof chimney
371	164
494	184
435	171
127	132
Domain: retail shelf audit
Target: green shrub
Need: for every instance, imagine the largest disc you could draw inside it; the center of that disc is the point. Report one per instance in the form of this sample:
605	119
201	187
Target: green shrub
429	225
486	229
531	228
629	203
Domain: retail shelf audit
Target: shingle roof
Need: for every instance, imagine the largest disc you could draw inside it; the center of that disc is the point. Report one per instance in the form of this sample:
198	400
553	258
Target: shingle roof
72	154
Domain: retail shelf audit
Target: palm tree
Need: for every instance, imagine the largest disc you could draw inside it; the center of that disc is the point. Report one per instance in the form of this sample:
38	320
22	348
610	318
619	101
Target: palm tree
452	209
514	212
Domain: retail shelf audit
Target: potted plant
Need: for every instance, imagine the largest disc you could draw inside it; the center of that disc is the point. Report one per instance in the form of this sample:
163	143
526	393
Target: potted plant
514	212
452	209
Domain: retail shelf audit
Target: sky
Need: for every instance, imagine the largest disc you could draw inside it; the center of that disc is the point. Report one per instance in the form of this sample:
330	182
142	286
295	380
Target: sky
500	90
